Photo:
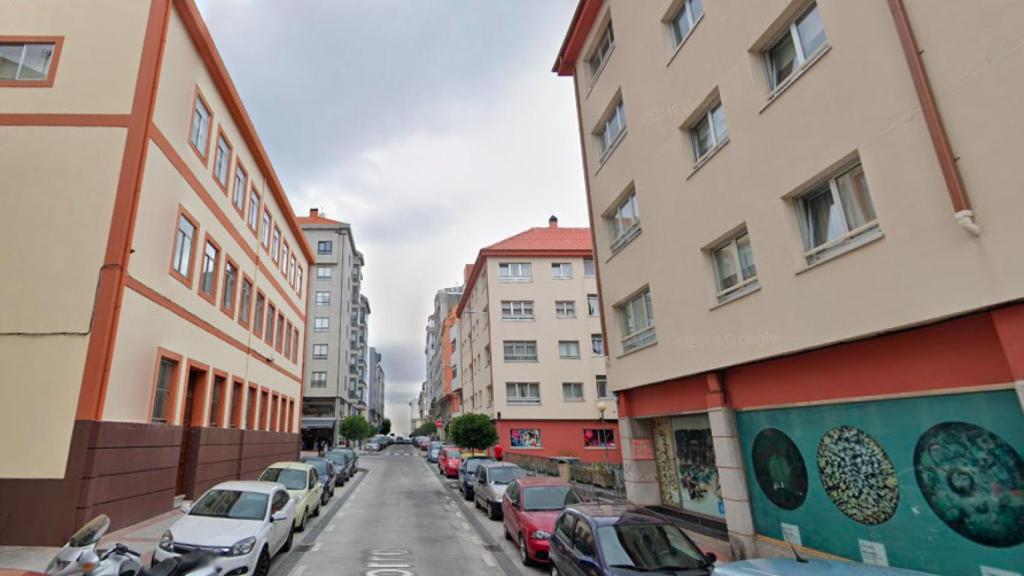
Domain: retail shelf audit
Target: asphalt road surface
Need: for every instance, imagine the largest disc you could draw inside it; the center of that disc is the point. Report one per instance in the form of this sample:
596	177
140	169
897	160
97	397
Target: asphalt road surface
399	517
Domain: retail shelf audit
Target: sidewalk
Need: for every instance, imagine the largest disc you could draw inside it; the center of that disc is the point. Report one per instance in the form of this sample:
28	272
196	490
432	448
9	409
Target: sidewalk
142	537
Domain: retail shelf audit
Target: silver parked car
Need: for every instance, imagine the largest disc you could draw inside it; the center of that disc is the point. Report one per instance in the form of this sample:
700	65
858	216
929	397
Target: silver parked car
492	478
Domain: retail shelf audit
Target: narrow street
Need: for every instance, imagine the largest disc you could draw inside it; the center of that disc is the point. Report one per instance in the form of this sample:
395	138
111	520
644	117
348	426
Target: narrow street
400	518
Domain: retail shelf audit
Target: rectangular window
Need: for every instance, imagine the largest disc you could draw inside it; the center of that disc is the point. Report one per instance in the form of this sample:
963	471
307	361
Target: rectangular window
279	340
324	247
235	418
275	244
265	233
222	161
637	319
734	267
318	380
216	399
245	302
166	374
227	302
515	272
323	272
238	195
603	49
609	132
572	391
285	253
517	310
295	344
588	268
28	62
689	13
598	438
321	324
291	270
565	309
522	392
319	351
569	349
623	221
199	135
520	350
602	386
184	249
208	271
834	214
271	315
254	210
298	280
801	41
323	298
709	132
593	305
288	340
561	270
257	316
264	406
597	344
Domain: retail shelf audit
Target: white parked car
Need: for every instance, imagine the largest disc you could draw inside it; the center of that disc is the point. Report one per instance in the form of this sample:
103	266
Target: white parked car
244	524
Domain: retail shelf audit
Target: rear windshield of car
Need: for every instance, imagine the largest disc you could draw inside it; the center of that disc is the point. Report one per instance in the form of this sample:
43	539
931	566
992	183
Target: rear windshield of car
548	498
661	547
472	465
504	474
233	504
291	478
451	453
320	465
436	444
337	457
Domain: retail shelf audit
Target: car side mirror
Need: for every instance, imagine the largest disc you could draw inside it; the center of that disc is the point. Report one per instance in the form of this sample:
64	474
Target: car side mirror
278	516
588	565
186	507
710	557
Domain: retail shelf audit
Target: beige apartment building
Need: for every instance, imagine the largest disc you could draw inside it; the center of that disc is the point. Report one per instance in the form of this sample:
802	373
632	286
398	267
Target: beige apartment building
807	220
531	351
154	320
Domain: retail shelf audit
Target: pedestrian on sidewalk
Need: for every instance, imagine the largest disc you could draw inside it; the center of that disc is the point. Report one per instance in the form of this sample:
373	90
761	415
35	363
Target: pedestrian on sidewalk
499	452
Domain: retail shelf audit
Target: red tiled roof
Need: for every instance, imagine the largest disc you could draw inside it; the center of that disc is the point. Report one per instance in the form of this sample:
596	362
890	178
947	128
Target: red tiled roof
545	239
304	220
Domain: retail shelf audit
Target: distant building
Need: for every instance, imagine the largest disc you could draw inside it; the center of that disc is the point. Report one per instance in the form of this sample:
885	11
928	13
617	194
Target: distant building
531	351
437	351
375	396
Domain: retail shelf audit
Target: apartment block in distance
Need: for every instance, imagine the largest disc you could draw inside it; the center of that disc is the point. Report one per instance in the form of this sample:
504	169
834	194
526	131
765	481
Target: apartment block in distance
807	220
151	343
532	356
333	306
438	352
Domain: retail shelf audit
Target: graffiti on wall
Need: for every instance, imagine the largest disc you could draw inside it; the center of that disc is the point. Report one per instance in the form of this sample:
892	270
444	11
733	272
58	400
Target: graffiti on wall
664	461
525	438
858	475
779	469
974	481
696	468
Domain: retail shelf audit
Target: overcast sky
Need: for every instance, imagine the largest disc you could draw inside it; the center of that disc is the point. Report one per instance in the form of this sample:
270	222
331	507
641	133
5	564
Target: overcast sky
434	127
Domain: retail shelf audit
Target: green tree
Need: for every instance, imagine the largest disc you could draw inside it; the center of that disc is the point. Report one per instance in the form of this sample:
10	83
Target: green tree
425	429
473	432
355	428
385	426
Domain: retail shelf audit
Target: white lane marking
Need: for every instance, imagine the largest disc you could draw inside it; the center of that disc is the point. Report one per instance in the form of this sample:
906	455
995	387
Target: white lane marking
330	527
476	540
489	560
298	570
316	547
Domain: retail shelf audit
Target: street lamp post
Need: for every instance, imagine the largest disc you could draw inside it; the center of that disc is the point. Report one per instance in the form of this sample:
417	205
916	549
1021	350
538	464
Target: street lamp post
602	408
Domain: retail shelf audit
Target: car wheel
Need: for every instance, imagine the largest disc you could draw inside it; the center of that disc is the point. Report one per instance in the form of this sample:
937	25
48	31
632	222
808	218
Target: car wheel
504	528
302	524
524	554
288	543
466	495
490	511
316	511
263	564
554	571
476	503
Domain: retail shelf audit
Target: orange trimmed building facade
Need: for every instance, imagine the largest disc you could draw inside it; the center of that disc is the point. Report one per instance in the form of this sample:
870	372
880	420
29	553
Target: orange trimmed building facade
529	347
153	342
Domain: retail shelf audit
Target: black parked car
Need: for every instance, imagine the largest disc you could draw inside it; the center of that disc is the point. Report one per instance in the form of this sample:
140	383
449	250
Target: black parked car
344	460
326	471
467	474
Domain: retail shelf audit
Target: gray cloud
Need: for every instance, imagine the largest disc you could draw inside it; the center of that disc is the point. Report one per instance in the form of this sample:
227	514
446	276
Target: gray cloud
434	128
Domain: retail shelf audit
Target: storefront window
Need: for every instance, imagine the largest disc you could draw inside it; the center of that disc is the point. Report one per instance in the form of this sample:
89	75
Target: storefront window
695	461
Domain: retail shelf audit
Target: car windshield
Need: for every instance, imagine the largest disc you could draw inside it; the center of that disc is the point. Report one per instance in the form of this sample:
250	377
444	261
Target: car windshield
291	478
233	504
548	498
648	547
320	465
504	474
339	458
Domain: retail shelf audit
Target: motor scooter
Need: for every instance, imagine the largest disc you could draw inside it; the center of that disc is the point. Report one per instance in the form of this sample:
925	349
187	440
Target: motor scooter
80	556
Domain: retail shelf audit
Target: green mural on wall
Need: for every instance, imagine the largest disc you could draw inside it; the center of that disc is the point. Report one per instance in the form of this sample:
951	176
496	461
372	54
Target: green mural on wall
937	482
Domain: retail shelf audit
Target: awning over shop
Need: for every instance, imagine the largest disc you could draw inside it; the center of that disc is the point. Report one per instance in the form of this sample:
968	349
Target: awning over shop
309	423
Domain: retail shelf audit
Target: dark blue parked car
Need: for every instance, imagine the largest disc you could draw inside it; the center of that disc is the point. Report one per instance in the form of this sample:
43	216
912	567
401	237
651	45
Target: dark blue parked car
467	474
622	540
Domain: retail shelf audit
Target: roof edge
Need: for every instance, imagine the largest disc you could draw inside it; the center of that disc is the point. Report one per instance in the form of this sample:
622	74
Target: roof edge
582	21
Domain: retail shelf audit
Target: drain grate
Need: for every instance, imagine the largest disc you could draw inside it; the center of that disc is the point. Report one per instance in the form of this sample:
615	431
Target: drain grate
303	547
492	547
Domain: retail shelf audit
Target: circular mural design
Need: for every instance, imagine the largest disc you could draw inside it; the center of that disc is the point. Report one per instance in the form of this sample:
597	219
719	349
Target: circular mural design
974	481
779	468
858	475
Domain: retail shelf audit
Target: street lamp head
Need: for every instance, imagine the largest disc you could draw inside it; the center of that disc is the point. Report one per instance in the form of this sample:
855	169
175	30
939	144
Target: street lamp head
602	407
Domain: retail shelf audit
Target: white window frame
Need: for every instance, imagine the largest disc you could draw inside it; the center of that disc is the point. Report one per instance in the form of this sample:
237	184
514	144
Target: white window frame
200	133
320	273
561	270
846	239
520	351
565	309
685	9
593	311
594	339
518	397
731	248
643	335
222	160
589	268
241	183
567	386
717	140
597	384
798	48
183	247
603	49
506	269
326	301
565	349
616	119
517	310
316	382
326	324
316	354
21	61
619	233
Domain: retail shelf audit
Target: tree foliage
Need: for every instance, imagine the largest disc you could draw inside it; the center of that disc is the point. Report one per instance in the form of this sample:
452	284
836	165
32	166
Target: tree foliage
426	429
385	426
473	432
355	428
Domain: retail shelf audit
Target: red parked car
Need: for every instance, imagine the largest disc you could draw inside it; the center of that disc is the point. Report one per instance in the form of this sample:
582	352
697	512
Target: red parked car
530	507
448	461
